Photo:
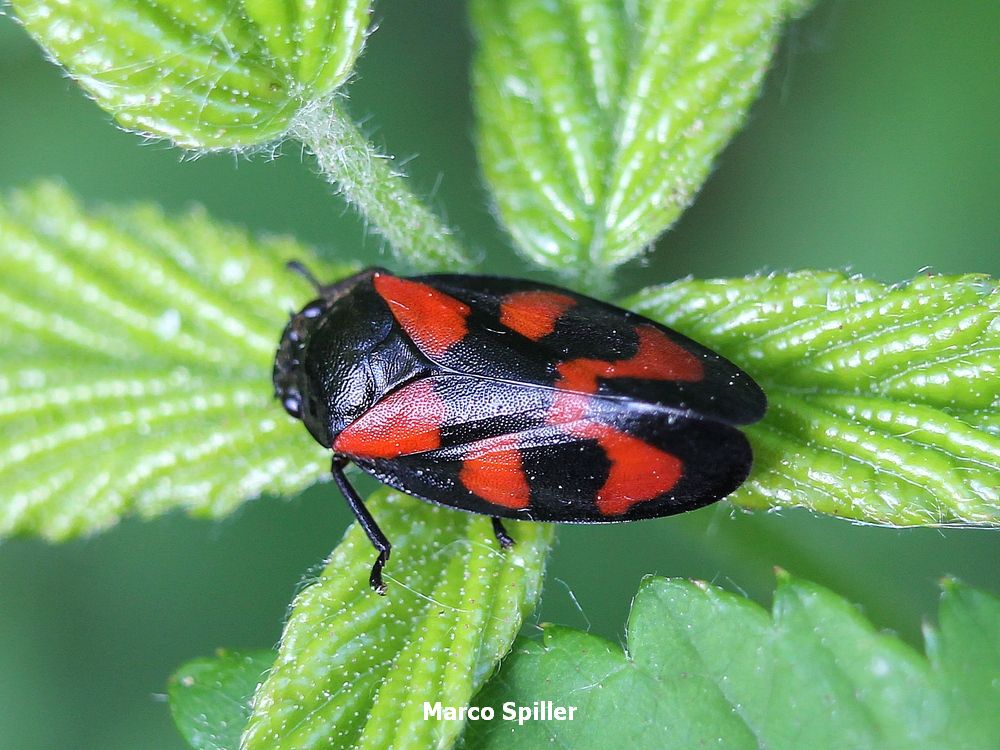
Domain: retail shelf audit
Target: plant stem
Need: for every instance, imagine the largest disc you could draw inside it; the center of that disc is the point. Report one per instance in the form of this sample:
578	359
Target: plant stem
379	193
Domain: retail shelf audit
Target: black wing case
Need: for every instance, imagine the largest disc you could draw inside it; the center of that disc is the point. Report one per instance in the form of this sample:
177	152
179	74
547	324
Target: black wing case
538	334
535	453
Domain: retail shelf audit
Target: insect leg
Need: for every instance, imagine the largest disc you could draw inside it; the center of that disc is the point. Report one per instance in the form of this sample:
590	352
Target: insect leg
505	539
375	535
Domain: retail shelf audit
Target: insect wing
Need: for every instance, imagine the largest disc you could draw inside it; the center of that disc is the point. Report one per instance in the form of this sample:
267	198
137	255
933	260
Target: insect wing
517	451
535	334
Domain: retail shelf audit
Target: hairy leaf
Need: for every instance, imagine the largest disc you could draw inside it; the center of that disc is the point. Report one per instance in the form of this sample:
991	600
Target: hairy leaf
135	366
598	120
203	74
354	668
884	400
210	698
706	668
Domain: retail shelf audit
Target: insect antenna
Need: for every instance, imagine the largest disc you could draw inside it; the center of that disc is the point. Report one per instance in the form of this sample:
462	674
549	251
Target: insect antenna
298	267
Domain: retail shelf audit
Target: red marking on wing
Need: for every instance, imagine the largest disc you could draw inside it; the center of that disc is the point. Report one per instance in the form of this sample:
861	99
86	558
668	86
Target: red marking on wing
433	319
406	421
567	409
657	358
534	314
492	470
639	471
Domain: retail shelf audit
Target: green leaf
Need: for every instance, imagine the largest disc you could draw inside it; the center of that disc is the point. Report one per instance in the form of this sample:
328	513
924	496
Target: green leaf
706	668
210	698
354	668
884	400
598	121
135	366
205	75
966	655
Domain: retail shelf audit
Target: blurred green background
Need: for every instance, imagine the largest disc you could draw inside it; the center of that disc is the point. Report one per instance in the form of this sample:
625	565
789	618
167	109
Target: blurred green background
873	149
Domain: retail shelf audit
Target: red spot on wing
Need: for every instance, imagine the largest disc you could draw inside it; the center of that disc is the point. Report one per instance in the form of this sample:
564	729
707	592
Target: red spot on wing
492	470
406	421
639	472
567	409
534	314
433	319
657	358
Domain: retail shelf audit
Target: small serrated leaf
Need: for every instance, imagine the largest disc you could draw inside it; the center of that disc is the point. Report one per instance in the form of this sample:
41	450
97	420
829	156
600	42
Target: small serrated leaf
706	668
210	698
204	75
598	121
135	366
883	400
354	668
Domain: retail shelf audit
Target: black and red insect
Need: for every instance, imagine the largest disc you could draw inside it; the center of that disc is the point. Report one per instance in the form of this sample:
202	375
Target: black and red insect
512	399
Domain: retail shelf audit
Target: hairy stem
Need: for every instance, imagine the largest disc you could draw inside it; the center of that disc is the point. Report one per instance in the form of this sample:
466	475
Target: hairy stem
367	181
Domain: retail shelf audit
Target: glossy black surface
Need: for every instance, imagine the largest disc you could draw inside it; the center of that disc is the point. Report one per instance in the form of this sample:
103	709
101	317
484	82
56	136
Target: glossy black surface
344	353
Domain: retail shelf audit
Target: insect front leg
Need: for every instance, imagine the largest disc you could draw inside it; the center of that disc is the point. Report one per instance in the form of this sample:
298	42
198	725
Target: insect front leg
375	535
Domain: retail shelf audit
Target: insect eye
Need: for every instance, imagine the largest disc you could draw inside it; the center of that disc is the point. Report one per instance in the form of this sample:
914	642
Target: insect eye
293	405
